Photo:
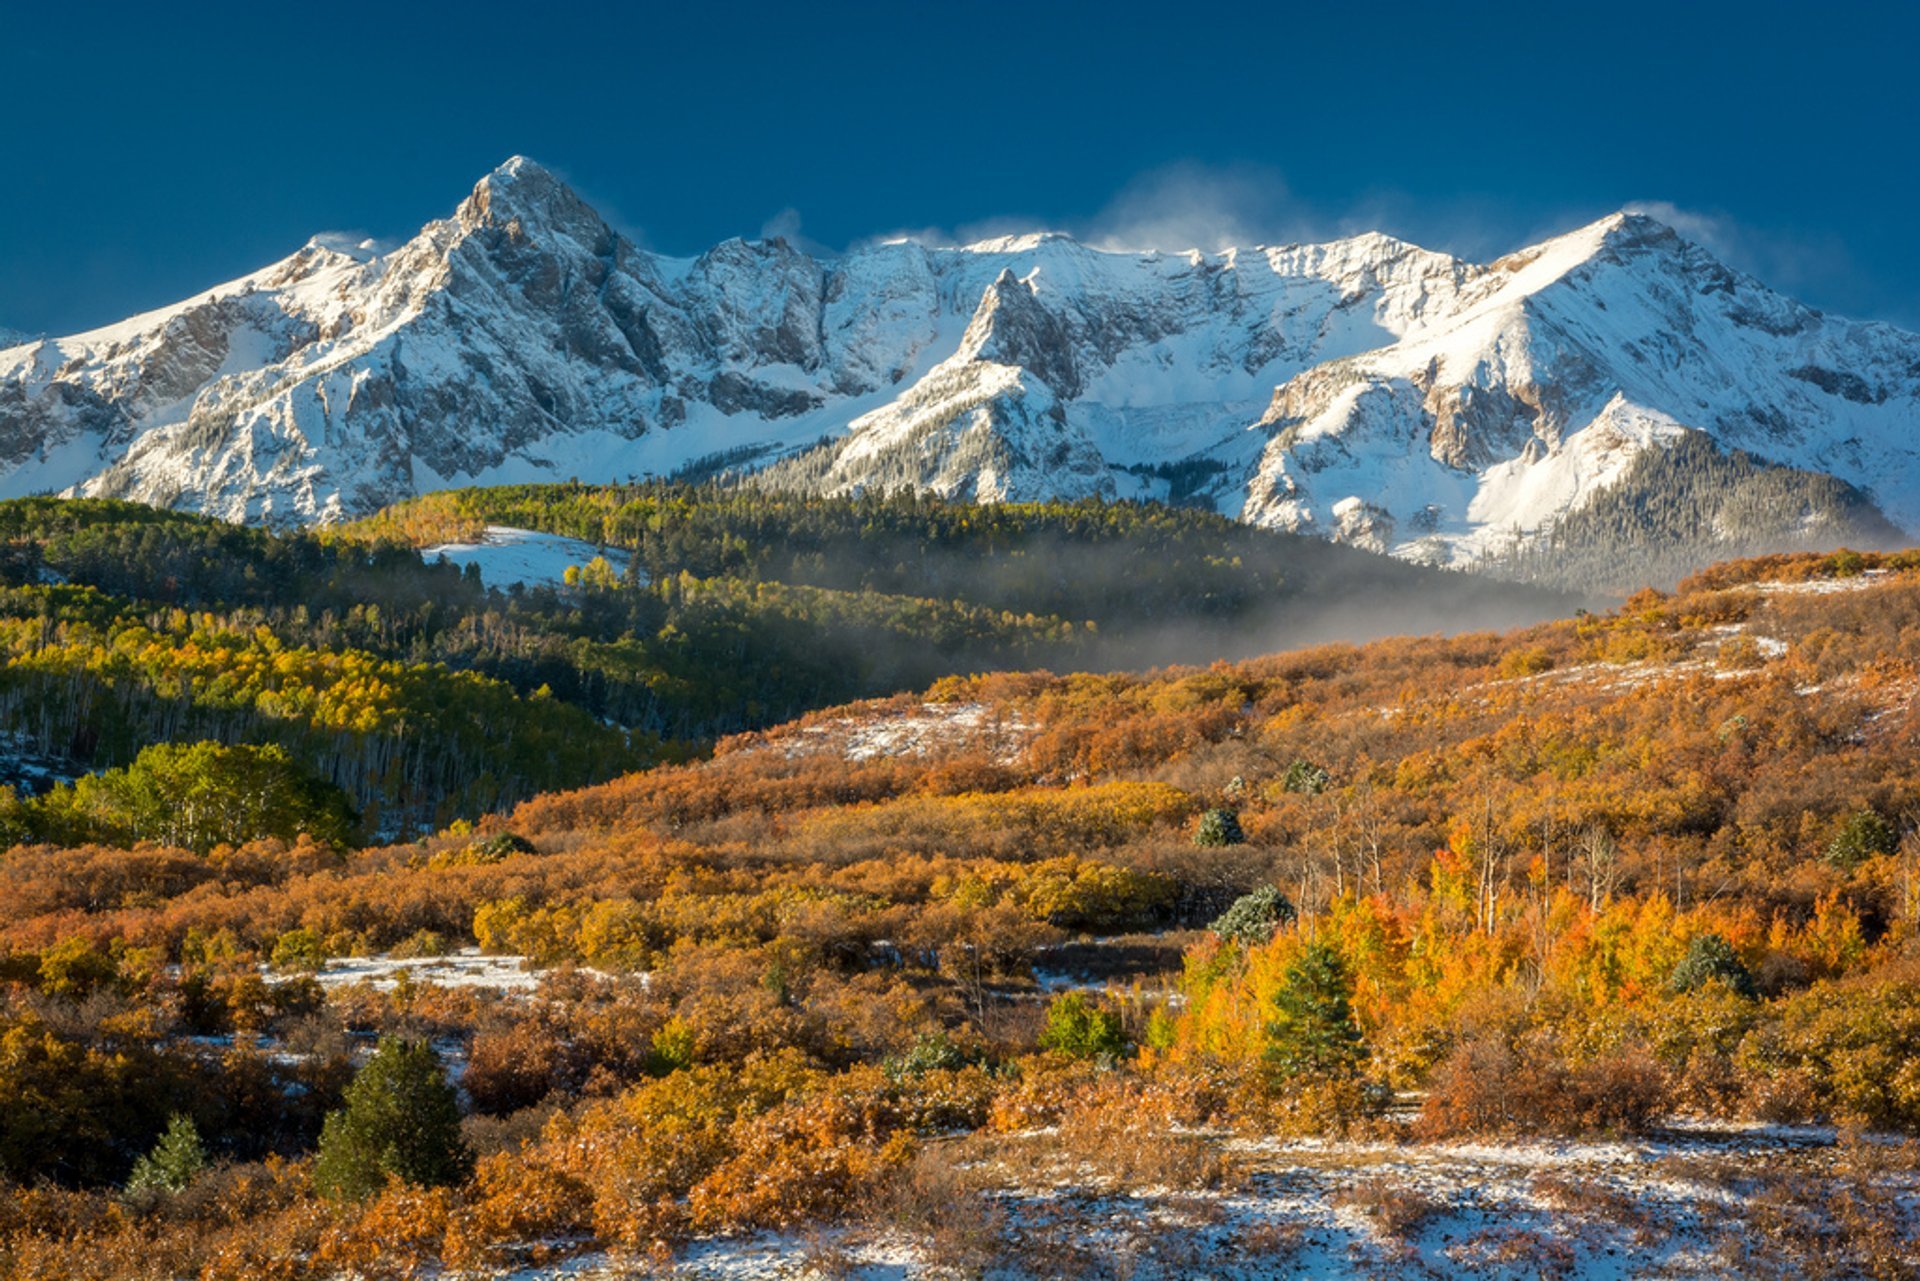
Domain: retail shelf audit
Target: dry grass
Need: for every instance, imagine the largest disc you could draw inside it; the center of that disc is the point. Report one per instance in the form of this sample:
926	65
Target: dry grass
945	1205
1594	1200
1503	1249
1847	1222
1114	1136
1396	1209
1269	1241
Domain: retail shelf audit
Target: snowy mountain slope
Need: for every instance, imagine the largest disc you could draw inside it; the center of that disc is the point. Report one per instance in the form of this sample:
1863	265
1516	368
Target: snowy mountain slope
1364	389
1568	361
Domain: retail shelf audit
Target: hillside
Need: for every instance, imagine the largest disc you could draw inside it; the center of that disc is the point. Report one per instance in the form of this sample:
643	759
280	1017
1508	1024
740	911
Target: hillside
428	692
1364	390
993	970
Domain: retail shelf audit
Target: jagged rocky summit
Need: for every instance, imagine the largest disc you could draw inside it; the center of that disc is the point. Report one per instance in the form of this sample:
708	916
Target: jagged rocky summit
1365	389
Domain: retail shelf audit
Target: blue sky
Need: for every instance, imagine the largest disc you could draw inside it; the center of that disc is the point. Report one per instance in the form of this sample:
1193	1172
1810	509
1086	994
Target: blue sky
154	150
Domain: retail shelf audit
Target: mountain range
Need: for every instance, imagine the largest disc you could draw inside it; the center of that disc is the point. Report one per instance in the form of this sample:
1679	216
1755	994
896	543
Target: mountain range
1616	389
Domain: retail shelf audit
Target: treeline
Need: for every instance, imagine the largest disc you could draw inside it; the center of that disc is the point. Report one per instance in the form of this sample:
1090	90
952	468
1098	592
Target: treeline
417	691
1115	562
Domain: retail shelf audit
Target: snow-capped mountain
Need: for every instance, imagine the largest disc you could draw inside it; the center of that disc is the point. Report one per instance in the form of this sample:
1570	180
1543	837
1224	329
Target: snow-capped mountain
1363	389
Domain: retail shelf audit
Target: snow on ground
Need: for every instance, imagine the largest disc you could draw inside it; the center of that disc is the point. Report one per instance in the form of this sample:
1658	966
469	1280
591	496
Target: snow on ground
468	967
916	733
465	968
1693	1203
921	731
1823	586
507	555
28	771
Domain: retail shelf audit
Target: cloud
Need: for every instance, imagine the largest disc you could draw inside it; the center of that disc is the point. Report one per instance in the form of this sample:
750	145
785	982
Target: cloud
1194	205
1714	231
1188	205
785	225
350	242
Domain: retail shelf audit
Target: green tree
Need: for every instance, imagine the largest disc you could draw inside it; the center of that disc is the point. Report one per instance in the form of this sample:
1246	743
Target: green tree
932	1052
174	1161
1864	835
1219	827
1080	1029
1710	958
1254	917
1307	778
1313	1032
75	968
200	795
299	949
400	1121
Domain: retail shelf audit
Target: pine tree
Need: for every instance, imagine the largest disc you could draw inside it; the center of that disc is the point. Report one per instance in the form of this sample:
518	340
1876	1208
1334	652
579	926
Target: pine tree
1254	917
1864	835
1313	1032
174	1161
401	1119
1306	778
1219	827
1710	958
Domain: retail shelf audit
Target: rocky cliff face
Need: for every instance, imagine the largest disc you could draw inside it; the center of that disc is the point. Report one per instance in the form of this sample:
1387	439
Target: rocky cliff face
1366	389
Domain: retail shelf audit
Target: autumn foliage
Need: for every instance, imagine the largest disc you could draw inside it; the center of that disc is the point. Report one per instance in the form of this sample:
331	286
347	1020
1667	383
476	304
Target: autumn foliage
1573	880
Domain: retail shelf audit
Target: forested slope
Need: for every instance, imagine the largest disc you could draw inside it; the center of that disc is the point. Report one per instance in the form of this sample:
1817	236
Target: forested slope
425	696
1158	584
1679	509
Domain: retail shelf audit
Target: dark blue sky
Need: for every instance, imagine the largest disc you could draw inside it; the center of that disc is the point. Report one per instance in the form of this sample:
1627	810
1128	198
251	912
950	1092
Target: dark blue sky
154	150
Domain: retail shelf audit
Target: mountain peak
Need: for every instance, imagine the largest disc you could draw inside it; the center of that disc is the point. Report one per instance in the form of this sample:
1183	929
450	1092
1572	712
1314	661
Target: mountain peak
1012	327
1631	228
516	172
1622	234
525	191
1383	243
1624	230
345	244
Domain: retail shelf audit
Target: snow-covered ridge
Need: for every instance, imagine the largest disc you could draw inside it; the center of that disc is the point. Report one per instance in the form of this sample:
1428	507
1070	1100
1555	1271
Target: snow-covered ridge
1364	389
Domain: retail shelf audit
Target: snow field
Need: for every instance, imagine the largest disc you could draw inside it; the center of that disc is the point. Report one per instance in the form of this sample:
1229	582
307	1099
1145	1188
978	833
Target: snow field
507	556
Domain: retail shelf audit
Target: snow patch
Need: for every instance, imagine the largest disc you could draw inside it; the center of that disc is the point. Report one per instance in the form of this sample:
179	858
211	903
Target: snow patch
466	968
506	556
922	731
